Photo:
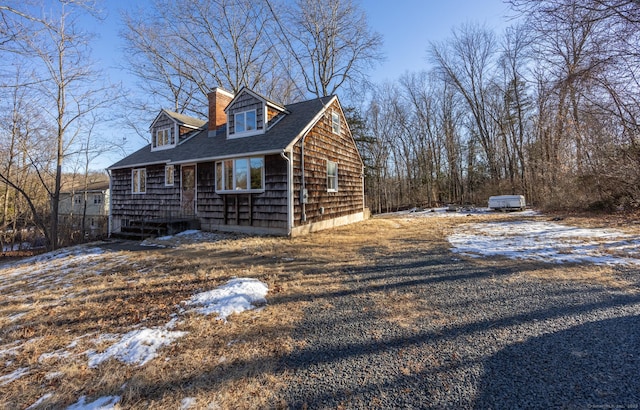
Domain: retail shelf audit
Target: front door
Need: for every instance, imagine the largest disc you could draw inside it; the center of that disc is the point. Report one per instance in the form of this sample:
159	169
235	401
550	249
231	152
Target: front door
188	184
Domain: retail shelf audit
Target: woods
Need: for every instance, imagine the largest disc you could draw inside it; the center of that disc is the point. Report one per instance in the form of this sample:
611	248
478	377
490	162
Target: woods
547	107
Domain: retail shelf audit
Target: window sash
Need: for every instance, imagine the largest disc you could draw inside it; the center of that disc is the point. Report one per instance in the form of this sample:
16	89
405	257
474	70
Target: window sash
139	180
245	121
240	175
163	138
332	176
169	175
335	122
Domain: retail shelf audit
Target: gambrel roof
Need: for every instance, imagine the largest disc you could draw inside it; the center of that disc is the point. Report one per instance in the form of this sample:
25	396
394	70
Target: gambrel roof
212	145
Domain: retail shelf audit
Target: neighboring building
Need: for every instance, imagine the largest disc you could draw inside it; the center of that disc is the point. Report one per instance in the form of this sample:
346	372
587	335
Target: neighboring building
256	166
90	201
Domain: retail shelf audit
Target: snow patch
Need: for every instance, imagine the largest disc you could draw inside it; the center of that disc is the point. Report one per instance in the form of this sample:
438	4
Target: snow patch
236	296
40	401
15	375
187	403
136	347
546	242
103	403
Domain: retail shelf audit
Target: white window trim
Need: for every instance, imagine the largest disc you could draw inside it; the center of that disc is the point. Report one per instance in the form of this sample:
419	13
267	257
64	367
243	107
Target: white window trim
235	191
248	133
334	176
169	145
335	124
133	182
173	177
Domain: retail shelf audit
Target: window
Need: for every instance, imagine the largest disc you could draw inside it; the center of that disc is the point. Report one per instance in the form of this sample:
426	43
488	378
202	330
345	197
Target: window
77	200
332	176
163	138
139	181
245	121
257	168
241	174
335	122
169	172
97	199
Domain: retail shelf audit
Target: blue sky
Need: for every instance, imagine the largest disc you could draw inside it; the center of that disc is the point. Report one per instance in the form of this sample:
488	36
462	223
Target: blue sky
407	27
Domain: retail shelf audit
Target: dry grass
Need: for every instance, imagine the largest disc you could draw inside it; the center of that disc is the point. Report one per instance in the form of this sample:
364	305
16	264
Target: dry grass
48	322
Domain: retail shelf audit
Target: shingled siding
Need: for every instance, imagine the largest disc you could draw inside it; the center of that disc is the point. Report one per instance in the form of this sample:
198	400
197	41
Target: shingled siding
159	201
322	145
266	210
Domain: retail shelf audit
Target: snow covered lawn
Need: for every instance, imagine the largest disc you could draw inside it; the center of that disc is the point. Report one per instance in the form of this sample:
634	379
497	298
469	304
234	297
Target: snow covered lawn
37	287
547	242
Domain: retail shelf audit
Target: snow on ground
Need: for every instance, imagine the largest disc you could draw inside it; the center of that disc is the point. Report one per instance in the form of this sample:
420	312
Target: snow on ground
141	345
15	375
103	403
458	212
184	238
546	242
59	269
136	347
235	296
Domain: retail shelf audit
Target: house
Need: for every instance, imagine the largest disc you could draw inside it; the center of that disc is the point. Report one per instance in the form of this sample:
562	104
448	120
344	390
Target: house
255	166
89	202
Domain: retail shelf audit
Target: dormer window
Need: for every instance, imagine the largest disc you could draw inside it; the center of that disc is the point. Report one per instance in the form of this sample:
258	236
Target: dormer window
245	121
163	138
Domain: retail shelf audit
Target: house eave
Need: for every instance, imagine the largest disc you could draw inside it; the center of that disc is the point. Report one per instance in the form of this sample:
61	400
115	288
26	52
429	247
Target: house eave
223	157
138	165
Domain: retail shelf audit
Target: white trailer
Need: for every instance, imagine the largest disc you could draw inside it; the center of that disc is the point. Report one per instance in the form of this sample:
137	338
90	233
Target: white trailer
507	203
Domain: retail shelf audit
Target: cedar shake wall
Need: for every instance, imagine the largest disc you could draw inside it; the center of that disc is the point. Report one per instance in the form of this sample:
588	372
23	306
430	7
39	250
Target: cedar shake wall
322	145
159	201
261	210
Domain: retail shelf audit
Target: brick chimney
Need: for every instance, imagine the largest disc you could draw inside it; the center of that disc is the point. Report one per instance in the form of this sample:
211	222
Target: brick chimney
218	101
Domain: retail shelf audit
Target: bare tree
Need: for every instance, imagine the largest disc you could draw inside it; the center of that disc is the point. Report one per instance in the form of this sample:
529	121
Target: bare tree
180	50
467	62
331	43
68	87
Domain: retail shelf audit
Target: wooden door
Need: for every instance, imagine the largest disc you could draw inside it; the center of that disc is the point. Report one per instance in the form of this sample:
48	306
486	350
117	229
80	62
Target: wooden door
188	184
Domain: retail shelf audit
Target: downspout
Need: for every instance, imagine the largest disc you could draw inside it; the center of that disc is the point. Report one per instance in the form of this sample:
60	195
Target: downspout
289	192
109	222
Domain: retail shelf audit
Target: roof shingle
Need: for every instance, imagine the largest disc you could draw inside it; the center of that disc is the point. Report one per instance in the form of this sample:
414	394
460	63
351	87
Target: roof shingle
211	145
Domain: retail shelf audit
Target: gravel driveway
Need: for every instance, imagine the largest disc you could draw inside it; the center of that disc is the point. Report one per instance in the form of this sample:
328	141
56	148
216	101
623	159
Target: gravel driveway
471	337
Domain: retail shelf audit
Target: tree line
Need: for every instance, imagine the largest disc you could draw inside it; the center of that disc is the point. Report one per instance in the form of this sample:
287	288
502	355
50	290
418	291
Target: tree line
546	108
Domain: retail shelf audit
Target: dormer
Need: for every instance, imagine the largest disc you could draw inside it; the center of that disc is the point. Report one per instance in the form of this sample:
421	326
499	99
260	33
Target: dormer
170	129
250	114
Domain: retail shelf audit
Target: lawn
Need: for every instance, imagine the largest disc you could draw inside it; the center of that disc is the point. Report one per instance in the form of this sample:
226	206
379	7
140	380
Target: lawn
202	320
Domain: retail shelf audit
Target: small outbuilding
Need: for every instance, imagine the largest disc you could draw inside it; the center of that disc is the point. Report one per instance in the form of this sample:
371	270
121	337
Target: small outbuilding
507	203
